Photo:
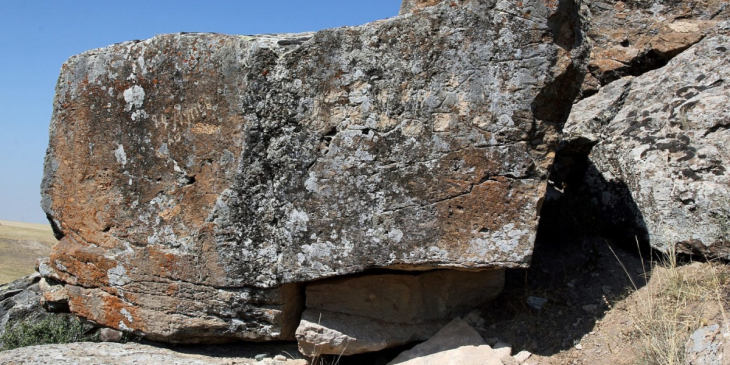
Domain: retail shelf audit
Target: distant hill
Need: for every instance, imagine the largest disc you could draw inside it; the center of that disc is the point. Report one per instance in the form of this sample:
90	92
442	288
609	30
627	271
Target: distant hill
20	245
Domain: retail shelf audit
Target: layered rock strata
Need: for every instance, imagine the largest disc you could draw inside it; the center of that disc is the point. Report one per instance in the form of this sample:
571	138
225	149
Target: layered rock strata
194	180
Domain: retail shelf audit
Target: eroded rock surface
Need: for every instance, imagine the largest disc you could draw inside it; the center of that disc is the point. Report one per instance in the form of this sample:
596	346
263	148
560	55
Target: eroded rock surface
195	179
20	300
632	37
707	345
664	137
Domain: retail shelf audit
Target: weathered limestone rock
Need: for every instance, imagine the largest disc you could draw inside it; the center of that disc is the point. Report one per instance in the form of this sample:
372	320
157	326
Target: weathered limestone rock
194	179
323	332
708	346
664	136
456	343
631	37
372	312
410	6
54	297
87	353
20	300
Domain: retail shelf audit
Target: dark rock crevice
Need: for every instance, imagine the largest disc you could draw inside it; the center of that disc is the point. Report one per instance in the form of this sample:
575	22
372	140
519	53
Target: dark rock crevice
565	25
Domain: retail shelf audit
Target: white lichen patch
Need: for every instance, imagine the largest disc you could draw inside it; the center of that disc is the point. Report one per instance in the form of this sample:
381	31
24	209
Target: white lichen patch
127	315
507	244
118	276
395	235
297	221
120	155
311	182
138	115
134	97
124	327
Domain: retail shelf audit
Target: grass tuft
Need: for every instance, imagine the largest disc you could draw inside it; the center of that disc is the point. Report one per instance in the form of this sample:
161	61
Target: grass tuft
677	301
50	330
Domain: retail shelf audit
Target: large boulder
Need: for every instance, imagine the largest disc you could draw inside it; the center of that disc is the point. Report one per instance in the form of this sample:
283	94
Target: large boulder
663	137
194	180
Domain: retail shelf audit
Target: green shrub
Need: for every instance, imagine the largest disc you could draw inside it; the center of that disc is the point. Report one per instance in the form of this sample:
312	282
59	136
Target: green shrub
50	330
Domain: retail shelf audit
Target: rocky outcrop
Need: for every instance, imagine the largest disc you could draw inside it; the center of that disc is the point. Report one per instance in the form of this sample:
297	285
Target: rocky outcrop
20	300
632	37
373	312
663	136
196	180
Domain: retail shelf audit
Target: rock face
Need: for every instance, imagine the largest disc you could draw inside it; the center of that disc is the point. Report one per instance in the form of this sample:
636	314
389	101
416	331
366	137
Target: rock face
632	37
373	312
664	136
195	180
20	300
410	6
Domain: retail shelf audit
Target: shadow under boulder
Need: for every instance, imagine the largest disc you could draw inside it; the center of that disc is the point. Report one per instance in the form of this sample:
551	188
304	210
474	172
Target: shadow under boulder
364	313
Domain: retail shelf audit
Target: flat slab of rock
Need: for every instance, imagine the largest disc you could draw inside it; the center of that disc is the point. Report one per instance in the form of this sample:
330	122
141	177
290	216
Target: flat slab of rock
190	177
372	312
130	353
322	332
664	136
455	344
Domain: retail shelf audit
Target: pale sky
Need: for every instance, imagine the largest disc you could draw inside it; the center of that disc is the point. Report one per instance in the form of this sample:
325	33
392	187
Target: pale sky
36	37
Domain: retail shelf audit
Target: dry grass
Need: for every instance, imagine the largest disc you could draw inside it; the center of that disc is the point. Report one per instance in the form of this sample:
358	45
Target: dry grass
677	301
20	245
27	231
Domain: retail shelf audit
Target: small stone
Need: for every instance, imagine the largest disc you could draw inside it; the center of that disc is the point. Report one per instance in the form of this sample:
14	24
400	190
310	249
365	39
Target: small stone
491	341
110	335
579	347
502	349
606	289
590	308
280	358
474	319
261	357
522	356
536	302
